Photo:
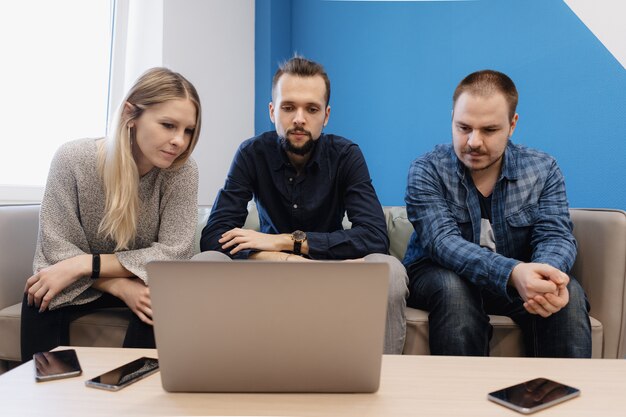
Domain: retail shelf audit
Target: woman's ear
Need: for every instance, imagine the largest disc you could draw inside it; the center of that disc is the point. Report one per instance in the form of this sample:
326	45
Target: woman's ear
128	111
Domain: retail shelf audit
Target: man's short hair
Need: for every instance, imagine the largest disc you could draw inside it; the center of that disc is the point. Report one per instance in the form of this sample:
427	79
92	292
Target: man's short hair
486	82
301	67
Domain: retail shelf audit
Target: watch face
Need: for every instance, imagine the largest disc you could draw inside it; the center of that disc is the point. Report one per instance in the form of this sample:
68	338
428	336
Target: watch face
299	236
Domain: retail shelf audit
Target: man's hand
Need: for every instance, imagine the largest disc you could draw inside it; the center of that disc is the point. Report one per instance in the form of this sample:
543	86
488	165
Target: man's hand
278	256
240	239
541	286
42	287
548	304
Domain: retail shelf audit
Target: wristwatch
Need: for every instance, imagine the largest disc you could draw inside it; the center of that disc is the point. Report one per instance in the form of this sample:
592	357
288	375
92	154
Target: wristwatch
298	237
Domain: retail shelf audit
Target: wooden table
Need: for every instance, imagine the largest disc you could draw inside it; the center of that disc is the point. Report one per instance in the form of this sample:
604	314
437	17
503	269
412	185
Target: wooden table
410	386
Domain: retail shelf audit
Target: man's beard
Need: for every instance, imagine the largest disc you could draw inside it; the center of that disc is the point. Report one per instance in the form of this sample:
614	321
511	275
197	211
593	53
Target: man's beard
298	150
468	150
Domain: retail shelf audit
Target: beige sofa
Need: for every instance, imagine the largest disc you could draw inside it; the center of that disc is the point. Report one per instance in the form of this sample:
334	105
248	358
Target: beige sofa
601	267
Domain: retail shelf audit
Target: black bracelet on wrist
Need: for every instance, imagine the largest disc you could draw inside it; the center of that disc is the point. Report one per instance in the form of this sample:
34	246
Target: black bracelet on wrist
95	266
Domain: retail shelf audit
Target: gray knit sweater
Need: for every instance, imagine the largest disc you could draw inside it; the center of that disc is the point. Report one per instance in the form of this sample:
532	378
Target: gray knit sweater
73	206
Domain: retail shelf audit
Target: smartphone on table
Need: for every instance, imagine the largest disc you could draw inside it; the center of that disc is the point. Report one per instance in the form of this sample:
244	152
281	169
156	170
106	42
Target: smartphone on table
125	375
534	395
56	364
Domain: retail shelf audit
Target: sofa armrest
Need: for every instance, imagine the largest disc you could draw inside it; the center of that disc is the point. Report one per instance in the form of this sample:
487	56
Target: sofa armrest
19	226
601	269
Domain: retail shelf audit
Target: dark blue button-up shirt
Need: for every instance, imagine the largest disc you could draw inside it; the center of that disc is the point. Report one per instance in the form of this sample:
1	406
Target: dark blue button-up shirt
530	216
335	181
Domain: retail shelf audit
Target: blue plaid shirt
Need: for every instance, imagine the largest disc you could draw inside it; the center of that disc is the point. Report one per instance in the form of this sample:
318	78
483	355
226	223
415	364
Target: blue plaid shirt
530	216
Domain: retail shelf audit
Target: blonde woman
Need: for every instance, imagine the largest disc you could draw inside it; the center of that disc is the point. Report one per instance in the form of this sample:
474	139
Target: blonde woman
112	205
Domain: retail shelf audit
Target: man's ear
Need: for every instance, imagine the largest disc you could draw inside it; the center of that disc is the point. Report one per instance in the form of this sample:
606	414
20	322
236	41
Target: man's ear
513	124
327	115
271	109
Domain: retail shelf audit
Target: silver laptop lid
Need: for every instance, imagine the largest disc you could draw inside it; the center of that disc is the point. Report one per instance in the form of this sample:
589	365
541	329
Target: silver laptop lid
250	326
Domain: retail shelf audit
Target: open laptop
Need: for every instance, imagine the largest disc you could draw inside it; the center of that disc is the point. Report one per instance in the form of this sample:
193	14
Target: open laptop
251	326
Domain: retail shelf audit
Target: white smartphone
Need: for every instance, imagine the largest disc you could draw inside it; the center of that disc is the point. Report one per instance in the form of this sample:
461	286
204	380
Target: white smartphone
124	375
56	365
533	395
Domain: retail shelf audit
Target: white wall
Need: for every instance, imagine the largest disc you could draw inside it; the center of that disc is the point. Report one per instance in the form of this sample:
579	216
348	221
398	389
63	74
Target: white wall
138	44
607	20
54	72
211	42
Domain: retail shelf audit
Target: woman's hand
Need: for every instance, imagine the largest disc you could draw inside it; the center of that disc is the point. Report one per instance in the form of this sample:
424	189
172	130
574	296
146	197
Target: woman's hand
136	295
42	287
132	291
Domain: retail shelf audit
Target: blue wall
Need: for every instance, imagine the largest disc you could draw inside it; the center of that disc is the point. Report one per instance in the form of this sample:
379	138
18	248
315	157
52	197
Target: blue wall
394	66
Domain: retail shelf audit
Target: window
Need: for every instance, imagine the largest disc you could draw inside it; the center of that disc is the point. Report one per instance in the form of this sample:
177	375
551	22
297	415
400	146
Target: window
55	73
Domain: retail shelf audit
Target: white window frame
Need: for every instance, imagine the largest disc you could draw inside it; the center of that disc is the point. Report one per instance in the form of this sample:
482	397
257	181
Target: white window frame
136	45
19	193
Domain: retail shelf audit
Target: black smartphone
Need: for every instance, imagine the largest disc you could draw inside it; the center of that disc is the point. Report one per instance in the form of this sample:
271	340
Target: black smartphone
56	365
125	375
533	395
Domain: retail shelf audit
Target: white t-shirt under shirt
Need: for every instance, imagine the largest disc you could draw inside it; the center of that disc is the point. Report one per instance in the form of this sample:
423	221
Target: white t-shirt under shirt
487	239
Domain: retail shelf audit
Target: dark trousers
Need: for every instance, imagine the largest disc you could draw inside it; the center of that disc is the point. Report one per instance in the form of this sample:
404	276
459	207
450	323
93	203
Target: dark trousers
459	323
41	332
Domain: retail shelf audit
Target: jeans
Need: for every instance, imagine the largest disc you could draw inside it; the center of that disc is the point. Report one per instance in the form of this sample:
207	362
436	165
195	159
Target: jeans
41	332
459	322
395	328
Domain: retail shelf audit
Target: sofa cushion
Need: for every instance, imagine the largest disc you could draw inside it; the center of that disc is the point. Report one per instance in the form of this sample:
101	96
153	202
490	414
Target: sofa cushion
105	327
506	340
399	229
10	339
601	248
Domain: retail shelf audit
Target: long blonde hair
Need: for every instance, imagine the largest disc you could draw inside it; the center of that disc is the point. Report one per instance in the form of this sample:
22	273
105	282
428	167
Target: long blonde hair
116	164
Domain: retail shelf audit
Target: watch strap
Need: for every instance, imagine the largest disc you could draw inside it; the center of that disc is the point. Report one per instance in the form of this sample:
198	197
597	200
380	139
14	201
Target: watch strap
95	266
298	237
297	247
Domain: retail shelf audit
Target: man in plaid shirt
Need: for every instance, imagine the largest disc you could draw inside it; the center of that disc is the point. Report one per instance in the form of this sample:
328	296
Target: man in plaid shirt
493	233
